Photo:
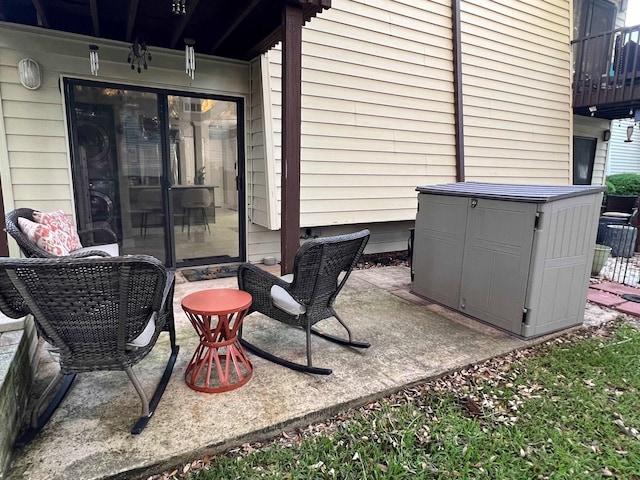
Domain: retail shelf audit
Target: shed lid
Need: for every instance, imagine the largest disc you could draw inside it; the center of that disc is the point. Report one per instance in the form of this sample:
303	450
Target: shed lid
513	192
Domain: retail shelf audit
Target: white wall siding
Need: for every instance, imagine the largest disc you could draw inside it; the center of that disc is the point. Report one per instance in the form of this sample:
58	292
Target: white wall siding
623	157
517	93
377	109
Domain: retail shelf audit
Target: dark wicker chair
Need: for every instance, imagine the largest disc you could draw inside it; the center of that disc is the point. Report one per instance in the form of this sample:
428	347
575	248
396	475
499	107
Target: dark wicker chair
97	313
98	235
307	296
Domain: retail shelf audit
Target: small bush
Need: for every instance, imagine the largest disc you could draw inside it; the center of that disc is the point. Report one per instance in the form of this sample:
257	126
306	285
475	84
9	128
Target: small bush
623	184
611	189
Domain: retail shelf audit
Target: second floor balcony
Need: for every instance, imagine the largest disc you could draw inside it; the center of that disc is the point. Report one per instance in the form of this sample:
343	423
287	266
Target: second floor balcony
606	79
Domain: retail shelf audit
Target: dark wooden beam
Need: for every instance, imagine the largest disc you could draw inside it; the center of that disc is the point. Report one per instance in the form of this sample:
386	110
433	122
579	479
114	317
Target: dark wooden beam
131	19
233	25
93	6
42	14
184	21
292	20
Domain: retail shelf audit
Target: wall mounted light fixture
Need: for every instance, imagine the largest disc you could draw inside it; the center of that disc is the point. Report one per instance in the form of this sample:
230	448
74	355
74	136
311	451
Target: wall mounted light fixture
606	135
629	133
190	57
93	59
30	77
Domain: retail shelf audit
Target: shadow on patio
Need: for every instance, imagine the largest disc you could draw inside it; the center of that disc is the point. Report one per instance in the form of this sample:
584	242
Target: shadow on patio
411	341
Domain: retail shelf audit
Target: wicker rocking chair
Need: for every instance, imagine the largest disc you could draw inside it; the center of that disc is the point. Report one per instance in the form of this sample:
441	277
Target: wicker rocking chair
93	238
97	313
305	297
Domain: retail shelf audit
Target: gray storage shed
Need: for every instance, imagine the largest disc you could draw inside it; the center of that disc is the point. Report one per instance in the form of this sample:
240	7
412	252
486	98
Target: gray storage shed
515	256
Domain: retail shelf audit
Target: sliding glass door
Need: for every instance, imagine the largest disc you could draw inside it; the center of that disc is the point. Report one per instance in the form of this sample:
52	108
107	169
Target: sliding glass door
162	169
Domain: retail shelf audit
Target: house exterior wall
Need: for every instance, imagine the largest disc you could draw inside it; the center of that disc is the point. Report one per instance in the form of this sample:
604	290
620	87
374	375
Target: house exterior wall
35	159
623	157
378	103
517	91
594	128
377	110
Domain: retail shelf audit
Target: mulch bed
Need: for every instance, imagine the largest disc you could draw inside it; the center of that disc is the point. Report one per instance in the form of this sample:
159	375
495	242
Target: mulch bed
386	259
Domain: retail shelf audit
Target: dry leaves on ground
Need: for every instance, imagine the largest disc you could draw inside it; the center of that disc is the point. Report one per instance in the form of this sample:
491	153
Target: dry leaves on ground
464	383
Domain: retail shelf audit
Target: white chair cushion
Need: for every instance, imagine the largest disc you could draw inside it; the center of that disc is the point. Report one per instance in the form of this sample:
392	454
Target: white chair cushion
285	302
110	248
145	337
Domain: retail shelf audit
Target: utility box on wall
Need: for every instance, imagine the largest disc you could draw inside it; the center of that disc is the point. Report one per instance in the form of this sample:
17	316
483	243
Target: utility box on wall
515	256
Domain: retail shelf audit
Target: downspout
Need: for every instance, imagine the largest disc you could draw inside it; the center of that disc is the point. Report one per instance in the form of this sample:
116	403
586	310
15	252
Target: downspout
457	90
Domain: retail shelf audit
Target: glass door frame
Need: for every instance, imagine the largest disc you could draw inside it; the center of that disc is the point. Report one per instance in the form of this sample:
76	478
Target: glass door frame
162	95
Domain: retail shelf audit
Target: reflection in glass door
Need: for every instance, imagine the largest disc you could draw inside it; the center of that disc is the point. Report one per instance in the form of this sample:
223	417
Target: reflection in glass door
204	160
160	169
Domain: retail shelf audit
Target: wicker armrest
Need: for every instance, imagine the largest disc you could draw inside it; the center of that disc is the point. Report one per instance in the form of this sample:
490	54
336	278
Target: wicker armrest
249	274
258	283
90	253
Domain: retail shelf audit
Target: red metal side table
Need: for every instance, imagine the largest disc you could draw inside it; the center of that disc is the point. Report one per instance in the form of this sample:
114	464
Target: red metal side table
219	344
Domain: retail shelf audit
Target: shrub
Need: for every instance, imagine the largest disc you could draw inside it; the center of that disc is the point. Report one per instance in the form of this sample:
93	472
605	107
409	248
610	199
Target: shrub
623	184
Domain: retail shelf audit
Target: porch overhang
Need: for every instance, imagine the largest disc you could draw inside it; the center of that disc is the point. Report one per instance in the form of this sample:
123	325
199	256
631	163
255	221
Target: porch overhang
238	29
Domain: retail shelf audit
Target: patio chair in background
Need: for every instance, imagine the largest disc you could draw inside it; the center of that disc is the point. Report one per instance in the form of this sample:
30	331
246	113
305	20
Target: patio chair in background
97	313
99	240
305	297
197	200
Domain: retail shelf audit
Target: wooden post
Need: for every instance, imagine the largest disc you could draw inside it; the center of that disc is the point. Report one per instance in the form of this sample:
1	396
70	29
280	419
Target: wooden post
291	119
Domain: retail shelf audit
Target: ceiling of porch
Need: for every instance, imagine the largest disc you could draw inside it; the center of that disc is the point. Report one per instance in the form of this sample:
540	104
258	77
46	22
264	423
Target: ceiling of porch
239	29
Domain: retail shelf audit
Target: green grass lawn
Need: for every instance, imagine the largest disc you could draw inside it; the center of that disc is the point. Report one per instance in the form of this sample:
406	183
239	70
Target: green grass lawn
568	409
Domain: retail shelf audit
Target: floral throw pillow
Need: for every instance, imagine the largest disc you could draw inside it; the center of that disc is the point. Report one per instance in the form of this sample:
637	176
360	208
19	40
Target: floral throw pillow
42	236
62	226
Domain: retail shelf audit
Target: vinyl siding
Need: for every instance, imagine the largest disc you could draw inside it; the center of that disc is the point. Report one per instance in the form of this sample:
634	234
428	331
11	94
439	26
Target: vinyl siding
377	110
517	94
623	157
378	102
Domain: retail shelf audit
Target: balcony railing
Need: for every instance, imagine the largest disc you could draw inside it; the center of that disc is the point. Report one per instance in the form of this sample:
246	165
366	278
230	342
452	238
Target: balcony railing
606	81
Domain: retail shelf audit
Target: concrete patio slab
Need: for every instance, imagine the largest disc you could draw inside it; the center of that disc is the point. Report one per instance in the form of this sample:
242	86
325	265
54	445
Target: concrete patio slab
411	341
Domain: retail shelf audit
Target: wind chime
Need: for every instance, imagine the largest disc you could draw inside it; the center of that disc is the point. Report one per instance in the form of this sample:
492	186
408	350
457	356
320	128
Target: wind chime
179	7
190	57
93	59
139	55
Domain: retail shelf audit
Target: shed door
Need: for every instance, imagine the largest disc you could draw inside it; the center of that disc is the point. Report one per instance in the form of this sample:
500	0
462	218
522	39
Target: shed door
439	247
497	256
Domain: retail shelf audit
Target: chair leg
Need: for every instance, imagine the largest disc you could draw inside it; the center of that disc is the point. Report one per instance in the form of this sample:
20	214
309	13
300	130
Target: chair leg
342	341
281	361
149	407
39	421
205	219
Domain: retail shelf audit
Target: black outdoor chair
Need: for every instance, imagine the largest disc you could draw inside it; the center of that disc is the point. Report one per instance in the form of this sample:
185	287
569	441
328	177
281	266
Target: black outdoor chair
97	313
98	235
305	297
